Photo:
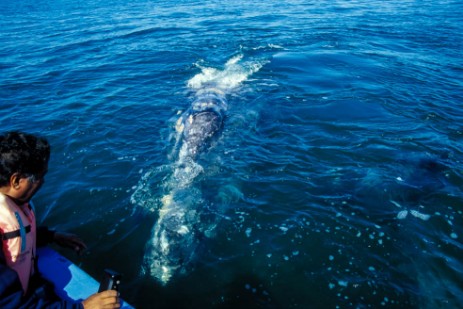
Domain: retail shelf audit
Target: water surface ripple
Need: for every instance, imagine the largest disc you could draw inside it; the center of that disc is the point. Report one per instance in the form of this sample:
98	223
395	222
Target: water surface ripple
336	181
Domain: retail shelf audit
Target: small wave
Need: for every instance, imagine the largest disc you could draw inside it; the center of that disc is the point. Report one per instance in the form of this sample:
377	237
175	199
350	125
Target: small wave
268	46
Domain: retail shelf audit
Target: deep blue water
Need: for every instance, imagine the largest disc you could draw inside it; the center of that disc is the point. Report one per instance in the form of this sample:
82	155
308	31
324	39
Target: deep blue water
335	182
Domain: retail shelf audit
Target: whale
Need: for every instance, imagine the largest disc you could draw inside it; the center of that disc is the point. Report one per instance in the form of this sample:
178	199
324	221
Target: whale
184	216
176	233
201	122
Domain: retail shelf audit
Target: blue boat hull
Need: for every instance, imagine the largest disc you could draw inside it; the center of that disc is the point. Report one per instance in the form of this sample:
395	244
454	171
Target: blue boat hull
71	282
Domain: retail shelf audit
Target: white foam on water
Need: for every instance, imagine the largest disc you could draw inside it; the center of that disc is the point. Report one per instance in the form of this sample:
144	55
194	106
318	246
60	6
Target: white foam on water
234	73
402	214
415	213
419	215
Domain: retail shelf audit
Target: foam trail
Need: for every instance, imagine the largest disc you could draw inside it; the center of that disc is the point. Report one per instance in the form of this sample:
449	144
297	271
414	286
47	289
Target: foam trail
178	229
227	80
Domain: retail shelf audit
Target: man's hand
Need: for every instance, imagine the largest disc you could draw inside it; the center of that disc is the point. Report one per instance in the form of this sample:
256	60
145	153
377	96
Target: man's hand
106	299
69	241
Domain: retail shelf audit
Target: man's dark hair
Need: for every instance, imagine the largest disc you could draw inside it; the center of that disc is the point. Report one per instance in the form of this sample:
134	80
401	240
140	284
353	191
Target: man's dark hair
22	153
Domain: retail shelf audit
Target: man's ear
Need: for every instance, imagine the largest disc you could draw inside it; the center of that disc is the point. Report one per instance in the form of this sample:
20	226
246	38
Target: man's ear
15	181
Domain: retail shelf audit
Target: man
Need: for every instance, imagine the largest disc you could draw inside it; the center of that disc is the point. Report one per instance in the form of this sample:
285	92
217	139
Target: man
23	165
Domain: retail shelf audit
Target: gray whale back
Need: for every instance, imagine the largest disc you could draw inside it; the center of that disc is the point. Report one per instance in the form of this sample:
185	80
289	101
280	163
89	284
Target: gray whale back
203	120
176	233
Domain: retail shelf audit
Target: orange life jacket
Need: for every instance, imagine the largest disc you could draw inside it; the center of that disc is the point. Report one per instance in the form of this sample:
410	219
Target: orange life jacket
18	232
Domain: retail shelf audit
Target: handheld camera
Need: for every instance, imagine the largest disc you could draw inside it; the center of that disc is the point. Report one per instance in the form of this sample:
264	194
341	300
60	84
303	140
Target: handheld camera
111	281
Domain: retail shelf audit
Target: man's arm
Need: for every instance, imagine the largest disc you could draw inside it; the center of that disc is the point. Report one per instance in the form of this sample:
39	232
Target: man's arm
44	236
66	240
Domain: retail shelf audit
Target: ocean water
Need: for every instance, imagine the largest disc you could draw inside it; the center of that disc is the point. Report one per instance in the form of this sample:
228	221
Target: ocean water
335	181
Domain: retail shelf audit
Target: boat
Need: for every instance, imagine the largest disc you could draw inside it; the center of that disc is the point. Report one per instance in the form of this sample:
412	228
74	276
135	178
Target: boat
71	282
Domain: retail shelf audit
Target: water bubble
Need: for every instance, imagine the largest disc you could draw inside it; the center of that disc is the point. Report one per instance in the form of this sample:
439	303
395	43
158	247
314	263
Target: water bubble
402	214
419	215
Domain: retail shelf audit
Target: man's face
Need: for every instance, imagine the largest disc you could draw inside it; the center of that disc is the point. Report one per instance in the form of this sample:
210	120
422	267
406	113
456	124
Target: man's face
30	185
